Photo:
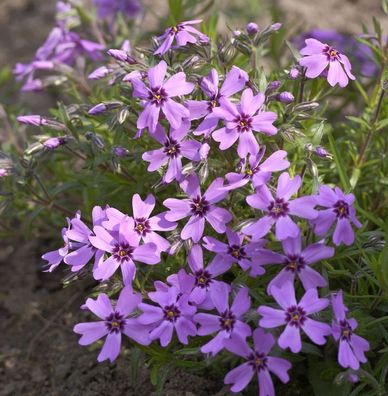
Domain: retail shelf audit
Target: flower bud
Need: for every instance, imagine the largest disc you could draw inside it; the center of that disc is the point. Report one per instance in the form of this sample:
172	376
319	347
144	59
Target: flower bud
285	97
98	109
322	152
54	142
121	55
276	26
252	28
33	119
294	73
99	73
272	86
120	151
236	33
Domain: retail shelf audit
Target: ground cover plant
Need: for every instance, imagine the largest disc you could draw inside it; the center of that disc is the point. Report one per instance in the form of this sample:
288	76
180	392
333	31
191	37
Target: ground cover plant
223	193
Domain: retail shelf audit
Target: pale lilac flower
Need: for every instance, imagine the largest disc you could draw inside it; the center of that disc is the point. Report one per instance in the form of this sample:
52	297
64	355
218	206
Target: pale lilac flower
235	251
175	147
229	320
3	172
296	262
340	210
234	82
199	207
124	249
173	313
157	97
256	173
294	73
280	208
183	33
295	316
78	235
144	226
252	28
352	347
276	26
240	122
318	56
116	320
257	362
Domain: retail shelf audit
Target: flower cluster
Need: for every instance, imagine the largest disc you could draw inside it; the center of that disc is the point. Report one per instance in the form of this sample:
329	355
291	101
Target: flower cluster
192	120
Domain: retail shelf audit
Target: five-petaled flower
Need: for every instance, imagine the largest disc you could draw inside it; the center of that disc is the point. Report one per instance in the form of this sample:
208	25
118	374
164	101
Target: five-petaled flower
319	55
352	347
114	322
199	207
295	316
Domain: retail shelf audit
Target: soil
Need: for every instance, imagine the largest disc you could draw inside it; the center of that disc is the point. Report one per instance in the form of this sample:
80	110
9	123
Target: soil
39	353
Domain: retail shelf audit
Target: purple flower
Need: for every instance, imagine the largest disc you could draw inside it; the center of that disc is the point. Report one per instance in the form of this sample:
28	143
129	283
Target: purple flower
257	362
115	321
3	172
205	286
107	9
78	235
340	210
257	174
158	96
295	316
241	120
174	312
280	208
183	33
144	226
234	82
124	249
34	119
252	28
352	347
54	142
318	56
199	207
228	322
296	262
234	251
175	147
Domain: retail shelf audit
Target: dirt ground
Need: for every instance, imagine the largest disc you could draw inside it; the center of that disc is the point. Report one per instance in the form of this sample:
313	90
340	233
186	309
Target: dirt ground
39	354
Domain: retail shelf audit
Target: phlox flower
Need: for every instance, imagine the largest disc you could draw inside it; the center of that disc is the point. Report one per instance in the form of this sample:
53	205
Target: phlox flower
175	147
318	56
240	122
279	209
257	362
256	173
296	262
235	251
183	33
115	320
228	321
199	207
157	97
145	226
340	209
234	82
295	316
107	9
352	347
123	247
173	313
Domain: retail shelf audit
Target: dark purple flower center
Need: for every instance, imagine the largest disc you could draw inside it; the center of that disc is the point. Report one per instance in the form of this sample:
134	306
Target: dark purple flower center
157	96
199	206
175	29
142	226
172	148
227	321
258	361
203	279
346	330
331	53
341	209
278	208
171	313
244	123
295	316
122	252
295	264
237	252
212	103
249	172
115	322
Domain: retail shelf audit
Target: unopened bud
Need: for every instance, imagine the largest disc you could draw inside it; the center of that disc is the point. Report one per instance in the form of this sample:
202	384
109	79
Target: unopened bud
294	73
272	86
120	151
322	152
252	28
276	26
99	73
306	106
121	55
54	142
33	119
285	97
